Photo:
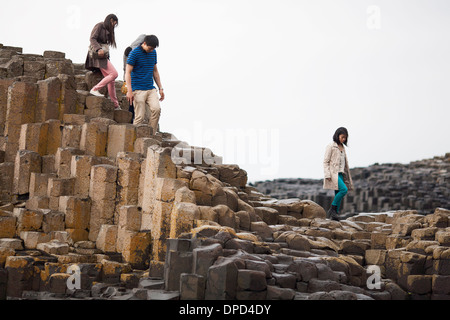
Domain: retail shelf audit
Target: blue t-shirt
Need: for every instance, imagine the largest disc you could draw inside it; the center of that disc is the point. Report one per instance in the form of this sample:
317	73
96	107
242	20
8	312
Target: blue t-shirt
143	64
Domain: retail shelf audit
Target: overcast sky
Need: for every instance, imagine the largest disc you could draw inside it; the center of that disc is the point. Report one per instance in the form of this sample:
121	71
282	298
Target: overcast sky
265	84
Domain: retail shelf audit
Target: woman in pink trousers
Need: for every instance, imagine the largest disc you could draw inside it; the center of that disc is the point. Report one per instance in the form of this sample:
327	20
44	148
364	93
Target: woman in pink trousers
98	57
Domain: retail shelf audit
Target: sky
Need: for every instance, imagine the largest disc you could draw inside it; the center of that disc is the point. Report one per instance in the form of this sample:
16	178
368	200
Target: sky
265	84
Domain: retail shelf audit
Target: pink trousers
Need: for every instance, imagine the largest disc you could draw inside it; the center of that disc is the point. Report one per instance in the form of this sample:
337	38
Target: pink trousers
109	76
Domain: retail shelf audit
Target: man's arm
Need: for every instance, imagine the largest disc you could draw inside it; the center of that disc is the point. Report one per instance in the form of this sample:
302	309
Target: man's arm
130	96
158	82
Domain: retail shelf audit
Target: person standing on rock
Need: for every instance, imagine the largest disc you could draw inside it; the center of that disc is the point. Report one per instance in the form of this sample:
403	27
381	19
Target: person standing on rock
126	53
141	70
336	171
103	37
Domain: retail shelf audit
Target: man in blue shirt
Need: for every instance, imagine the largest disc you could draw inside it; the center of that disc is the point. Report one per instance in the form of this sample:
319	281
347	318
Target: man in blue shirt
140	72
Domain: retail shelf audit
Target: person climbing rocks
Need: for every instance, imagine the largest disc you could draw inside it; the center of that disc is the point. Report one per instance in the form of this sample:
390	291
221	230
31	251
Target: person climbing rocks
126	53
102	38
336	171
141	70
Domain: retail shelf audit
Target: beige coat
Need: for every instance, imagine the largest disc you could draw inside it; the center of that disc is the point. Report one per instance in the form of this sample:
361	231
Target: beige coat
331	168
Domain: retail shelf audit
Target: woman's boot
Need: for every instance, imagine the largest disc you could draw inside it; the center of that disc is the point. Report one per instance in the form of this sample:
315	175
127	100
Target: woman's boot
332	213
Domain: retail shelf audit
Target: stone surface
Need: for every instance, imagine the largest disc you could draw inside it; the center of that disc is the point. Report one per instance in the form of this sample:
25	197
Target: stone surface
138	214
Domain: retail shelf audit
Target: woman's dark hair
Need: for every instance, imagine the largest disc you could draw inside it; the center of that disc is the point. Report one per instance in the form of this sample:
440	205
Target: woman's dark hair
127	51
151	41
338	132
110	28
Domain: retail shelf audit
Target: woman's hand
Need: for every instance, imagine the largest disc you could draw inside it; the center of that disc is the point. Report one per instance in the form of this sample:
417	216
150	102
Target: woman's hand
101	53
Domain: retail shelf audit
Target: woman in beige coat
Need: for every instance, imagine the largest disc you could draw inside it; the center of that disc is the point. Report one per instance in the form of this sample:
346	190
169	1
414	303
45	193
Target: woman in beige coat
336	171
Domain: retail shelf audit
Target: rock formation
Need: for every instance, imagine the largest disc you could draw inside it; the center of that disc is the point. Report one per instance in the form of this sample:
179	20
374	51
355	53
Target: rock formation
420	185
93	207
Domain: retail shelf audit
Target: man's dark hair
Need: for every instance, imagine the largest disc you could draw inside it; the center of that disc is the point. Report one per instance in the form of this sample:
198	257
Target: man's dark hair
151	41
338	132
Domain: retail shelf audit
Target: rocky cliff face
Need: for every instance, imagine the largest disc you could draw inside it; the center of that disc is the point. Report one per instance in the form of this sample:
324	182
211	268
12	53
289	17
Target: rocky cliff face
93	207
420	185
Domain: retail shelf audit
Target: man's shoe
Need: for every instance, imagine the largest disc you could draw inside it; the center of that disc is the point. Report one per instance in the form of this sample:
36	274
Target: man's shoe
96	93
333	214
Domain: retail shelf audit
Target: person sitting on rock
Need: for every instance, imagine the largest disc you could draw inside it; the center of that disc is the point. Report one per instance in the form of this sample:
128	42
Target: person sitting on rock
336	171
141	69
98	58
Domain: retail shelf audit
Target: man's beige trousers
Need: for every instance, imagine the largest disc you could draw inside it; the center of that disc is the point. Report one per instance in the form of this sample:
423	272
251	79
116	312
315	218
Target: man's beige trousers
147	108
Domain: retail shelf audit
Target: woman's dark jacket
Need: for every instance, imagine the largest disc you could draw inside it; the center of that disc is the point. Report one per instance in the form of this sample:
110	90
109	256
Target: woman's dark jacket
99	36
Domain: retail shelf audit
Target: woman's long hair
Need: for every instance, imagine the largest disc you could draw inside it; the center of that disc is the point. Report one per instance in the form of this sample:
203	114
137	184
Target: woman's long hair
110	28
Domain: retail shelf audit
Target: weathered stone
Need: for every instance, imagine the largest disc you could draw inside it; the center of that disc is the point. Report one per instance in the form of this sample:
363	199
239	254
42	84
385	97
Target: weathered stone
53	221
312	210
104	173
443	237
204	258
20	274
58	282
121	137
183	217
28	220
221	280
81	166
298	242
176	263
304	270
251	280
26	162
48	99
7	225
33	137
192	287
48	54
76	210
233	175
262	229
111	270
276	293
63	161
130	218
141	144
375	256
54	247
106	239
420	284
268	215
94	137
441	284
58	187
136	248
53	136
11	243
4	85
34	68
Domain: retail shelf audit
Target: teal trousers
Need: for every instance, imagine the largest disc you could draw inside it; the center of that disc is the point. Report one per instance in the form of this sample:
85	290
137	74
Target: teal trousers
340	193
